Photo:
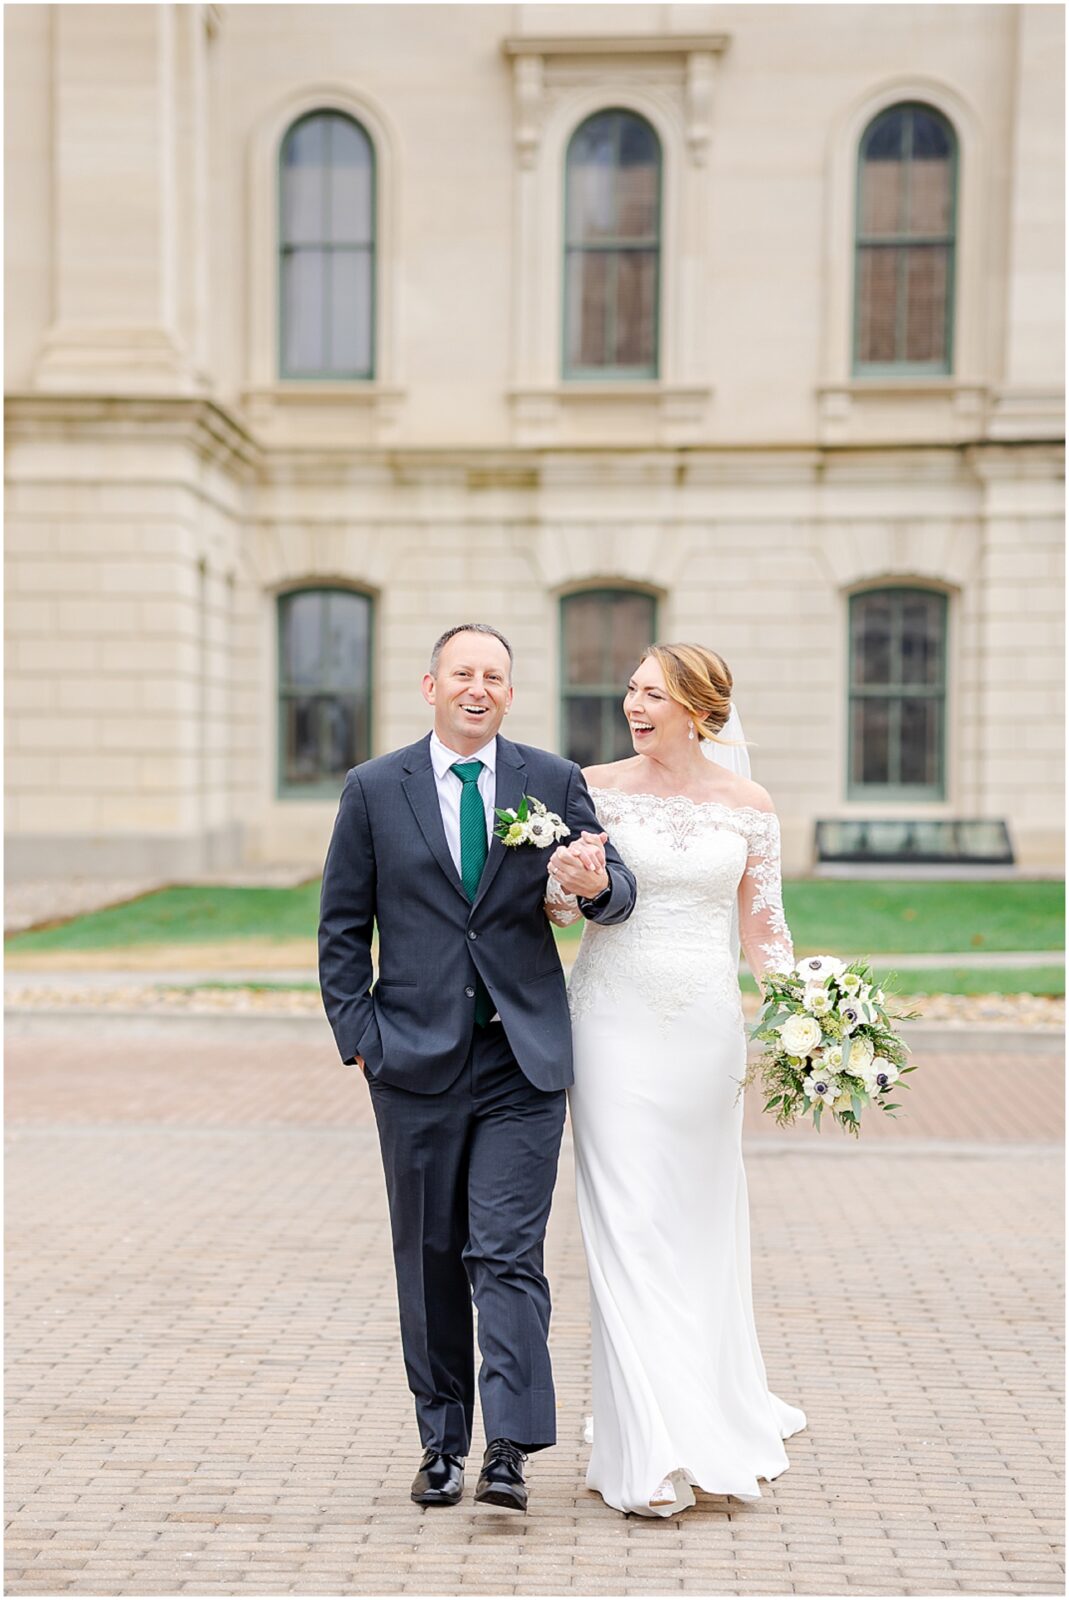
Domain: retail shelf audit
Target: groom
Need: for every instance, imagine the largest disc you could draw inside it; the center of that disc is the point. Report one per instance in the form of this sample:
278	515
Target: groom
465	1042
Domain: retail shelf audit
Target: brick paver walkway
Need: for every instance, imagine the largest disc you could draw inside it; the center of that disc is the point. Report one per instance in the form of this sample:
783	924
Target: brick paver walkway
205	1392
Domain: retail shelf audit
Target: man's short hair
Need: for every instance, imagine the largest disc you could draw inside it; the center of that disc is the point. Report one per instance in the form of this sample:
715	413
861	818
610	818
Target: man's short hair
466	627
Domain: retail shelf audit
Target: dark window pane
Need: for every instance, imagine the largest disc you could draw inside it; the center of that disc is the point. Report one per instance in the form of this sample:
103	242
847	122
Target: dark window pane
349	185
303	274
327	231
930	197
871	628
325	685
931	137
636	309
582	730
886	138
632	626
587	303
304	160
882	196
612	197
920	731
591	210
926	299
347	630
619	743
302	640
583	628
905	193
300	744
877	292
871	742
922	639
349	279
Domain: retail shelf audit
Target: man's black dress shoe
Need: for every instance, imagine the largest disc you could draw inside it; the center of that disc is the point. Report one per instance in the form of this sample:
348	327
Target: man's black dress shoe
501	1479
439	1481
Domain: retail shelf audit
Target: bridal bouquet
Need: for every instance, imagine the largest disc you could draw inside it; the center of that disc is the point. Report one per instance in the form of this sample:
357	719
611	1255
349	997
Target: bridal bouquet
830	1043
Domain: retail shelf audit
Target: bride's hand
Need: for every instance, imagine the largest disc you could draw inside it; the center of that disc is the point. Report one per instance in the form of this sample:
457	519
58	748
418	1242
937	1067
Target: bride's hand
580	868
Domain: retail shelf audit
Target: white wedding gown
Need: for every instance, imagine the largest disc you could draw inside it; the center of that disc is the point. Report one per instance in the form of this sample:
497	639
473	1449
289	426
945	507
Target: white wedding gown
679	1384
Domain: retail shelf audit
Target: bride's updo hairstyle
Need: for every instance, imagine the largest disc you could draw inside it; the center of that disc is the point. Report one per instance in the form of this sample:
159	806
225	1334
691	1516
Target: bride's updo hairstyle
700	681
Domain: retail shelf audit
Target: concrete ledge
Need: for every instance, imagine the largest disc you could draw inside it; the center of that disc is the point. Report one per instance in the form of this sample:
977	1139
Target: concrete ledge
926	1038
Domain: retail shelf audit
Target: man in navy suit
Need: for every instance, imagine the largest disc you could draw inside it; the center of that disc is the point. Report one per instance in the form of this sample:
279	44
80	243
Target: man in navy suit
465	1041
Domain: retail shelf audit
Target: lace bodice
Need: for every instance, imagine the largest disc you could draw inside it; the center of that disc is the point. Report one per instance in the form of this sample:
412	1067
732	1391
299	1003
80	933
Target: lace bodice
698	865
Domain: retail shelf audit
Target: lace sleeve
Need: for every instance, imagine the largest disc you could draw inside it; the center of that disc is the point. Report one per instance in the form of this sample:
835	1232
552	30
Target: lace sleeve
763	930
561	908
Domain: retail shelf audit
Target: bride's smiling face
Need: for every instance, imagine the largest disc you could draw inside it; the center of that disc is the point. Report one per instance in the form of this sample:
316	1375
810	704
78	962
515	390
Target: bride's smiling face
657	722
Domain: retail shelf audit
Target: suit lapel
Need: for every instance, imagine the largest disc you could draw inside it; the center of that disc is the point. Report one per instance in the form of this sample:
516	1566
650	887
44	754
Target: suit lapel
422	792
511	786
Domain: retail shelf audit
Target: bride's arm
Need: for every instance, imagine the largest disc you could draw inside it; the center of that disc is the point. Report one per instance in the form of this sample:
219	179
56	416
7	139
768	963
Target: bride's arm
561	907
763	931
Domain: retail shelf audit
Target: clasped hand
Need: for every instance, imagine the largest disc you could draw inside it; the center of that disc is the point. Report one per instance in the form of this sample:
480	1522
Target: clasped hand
579	868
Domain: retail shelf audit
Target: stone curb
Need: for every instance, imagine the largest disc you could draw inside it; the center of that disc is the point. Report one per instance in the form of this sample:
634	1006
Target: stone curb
931	1037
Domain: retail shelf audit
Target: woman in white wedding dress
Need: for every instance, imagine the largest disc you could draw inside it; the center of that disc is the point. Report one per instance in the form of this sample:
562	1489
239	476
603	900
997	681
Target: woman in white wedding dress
679	1386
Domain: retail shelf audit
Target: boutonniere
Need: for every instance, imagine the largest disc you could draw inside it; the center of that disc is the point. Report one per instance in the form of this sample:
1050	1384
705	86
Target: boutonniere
530	823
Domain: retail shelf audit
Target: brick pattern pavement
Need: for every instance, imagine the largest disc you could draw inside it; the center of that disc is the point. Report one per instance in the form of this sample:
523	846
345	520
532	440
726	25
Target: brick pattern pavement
206	1396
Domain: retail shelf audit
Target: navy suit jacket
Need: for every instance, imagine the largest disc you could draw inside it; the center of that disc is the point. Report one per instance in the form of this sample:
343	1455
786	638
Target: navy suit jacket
389	863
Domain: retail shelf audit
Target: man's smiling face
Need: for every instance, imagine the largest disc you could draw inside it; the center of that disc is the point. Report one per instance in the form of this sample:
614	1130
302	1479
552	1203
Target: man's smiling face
470	692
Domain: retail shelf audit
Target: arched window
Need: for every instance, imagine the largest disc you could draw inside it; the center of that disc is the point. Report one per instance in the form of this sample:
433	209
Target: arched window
612	248
904	253
327	249
324	689
897	695
603	635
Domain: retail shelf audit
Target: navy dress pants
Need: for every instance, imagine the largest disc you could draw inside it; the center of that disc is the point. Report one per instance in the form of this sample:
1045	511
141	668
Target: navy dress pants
469	1177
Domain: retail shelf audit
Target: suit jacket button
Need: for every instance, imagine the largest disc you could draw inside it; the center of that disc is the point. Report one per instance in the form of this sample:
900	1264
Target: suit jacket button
470	992
472	934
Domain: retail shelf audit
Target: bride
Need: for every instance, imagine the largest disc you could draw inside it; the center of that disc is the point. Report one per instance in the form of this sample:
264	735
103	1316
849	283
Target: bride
680	1392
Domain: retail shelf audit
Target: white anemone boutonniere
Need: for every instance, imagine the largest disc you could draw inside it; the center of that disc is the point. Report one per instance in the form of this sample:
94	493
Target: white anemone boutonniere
530	823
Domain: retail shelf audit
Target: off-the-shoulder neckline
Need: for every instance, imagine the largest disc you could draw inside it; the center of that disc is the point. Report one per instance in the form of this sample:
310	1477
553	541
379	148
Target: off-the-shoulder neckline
673	799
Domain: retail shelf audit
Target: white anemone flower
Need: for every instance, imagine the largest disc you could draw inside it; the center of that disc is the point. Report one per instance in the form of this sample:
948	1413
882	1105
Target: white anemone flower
880	1074
817	1000
816	968
821	1086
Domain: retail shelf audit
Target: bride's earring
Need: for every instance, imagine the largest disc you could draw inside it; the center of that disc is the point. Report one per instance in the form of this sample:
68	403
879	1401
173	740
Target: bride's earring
690	734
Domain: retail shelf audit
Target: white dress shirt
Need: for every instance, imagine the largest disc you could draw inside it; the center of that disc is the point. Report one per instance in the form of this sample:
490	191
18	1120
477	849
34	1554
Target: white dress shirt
450	789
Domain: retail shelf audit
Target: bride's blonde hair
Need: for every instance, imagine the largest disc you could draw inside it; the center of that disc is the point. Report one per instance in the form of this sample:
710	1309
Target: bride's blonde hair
700	681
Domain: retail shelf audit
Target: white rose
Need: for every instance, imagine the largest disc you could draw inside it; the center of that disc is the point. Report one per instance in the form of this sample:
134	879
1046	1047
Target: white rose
862	1051
800	1035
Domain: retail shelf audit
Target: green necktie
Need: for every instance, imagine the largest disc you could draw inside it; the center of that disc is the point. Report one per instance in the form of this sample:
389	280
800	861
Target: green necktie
473	852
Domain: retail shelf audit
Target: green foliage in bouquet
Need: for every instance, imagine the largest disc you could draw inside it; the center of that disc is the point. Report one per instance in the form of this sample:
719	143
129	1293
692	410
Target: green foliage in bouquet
830	1044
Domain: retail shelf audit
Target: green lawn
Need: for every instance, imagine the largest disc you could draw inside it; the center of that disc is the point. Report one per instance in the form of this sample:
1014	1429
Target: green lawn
864	918
963	980
942	980
844	917
185	916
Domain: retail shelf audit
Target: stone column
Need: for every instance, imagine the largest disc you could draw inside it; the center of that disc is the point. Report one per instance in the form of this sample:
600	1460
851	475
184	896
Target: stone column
117	289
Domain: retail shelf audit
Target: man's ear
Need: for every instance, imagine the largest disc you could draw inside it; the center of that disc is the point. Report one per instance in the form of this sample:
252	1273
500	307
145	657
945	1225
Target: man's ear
429	685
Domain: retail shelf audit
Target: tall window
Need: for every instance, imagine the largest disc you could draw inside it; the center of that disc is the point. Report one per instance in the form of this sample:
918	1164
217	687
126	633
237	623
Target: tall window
327	249
897	695
612	248
603	634
324	688
904	264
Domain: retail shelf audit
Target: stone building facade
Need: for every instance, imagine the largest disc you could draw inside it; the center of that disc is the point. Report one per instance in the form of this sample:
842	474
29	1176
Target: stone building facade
330	326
